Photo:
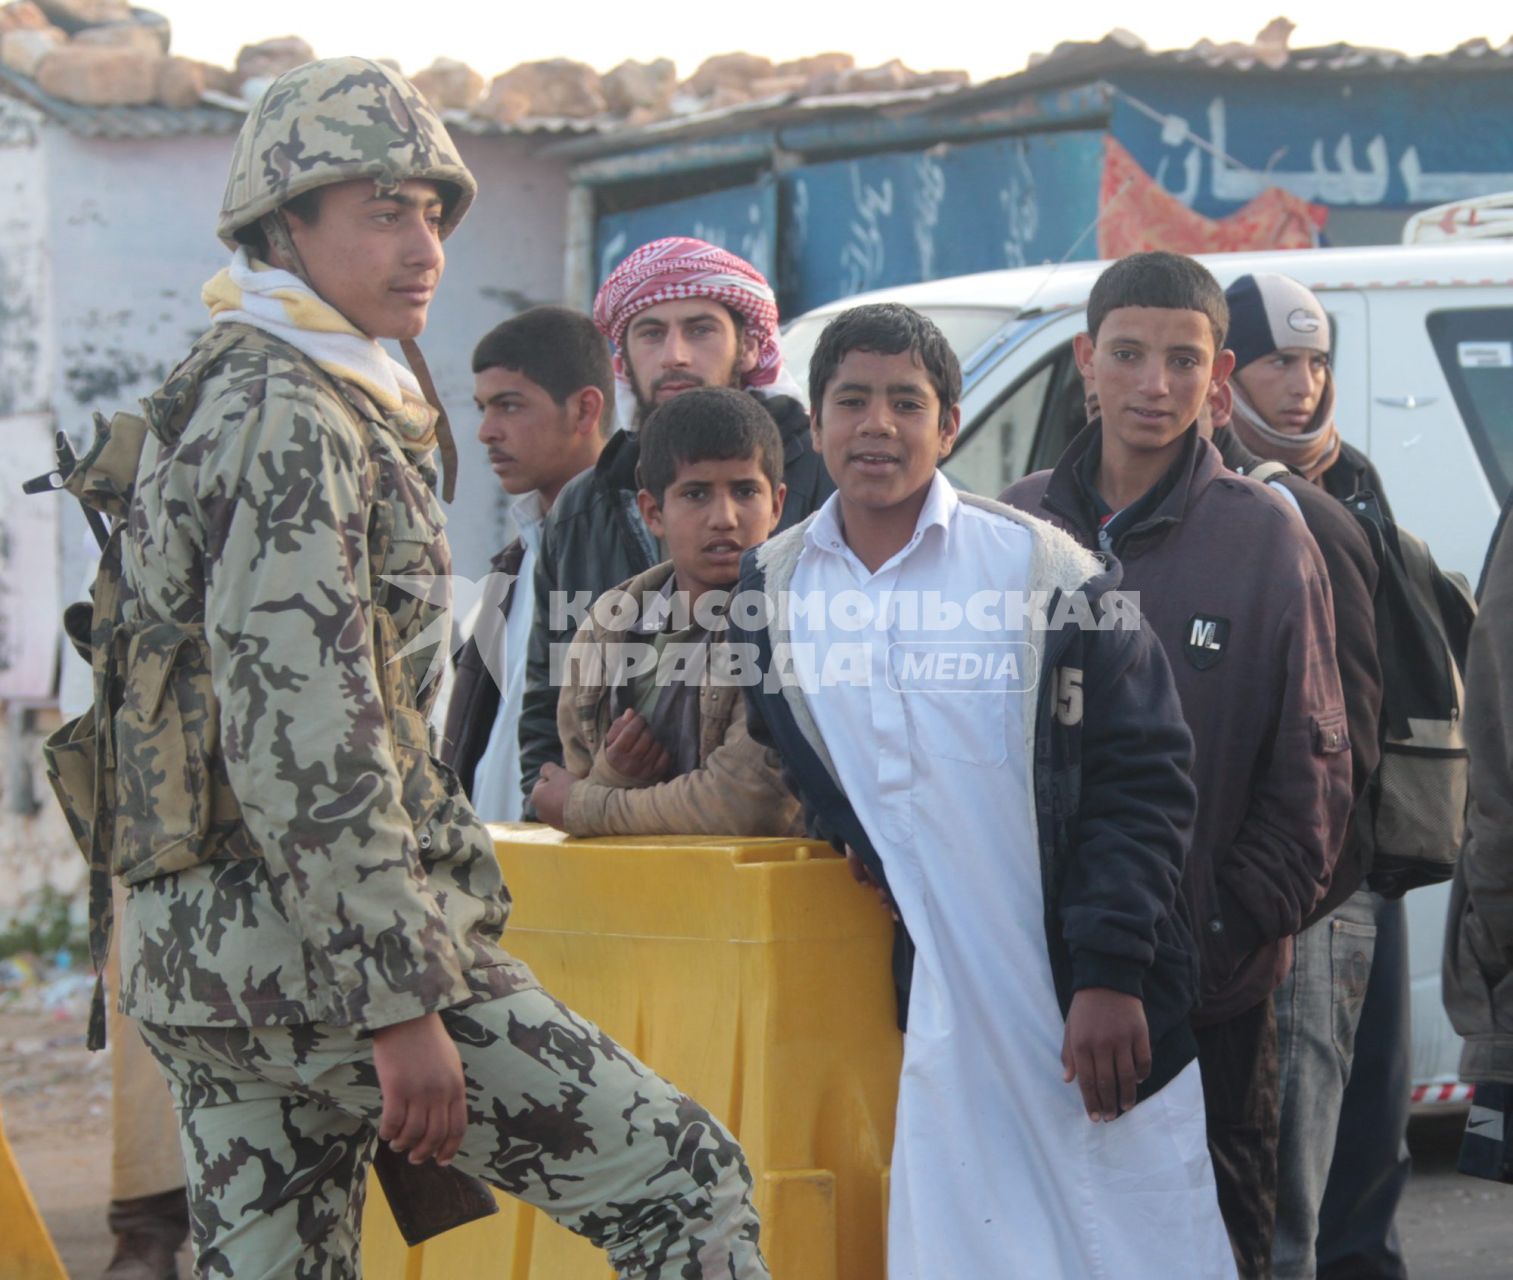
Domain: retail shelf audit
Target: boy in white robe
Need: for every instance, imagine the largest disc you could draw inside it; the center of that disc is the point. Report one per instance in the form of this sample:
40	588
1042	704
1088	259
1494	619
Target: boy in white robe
970	710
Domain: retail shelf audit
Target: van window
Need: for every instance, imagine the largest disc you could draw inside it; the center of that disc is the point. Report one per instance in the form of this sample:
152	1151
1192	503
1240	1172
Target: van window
1475	349
996	452
965	328
1027	429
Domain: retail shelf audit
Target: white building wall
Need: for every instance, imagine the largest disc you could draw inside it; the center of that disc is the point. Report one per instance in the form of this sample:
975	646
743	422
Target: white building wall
506	256
25	358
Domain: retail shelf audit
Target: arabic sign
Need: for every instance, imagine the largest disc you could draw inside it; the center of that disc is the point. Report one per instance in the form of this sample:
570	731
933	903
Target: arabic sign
1339	140
741	219
854	225
1138	215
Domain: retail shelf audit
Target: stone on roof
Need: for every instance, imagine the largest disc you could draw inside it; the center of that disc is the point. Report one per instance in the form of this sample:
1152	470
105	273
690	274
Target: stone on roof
449	85
268	59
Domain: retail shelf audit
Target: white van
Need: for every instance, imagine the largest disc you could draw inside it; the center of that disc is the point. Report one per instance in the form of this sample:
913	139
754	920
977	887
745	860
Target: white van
1423	362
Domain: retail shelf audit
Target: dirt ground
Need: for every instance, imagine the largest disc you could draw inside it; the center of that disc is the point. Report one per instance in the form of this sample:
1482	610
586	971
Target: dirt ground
55	1103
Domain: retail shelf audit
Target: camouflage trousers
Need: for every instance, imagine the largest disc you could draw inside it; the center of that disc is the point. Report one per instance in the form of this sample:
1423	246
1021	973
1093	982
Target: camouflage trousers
278	1124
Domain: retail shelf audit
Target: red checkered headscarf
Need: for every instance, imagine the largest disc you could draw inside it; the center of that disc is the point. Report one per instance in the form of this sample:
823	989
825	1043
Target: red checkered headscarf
682	267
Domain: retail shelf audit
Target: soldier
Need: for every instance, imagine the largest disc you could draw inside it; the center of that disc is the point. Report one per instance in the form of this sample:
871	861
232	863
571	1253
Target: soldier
309	941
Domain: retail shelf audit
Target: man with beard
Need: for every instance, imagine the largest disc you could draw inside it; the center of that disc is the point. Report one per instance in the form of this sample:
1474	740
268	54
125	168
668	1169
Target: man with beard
680	313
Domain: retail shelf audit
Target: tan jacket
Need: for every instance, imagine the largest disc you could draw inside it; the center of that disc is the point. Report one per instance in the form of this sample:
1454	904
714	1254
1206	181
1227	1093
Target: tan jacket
737	790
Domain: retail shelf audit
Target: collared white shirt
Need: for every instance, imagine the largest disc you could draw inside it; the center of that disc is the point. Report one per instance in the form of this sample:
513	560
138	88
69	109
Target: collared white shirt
496	781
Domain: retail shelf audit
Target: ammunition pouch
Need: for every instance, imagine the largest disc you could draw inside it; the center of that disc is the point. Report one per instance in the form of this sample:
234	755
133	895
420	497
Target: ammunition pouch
157	782
68	754
105	477
174	807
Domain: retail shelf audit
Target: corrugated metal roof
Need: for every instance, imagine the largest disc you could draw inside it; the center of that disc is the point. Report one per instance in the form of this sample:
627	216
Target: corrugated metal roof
220	113
1350	57
1072	64
1079	61
121	122
534	126
761	110
762	113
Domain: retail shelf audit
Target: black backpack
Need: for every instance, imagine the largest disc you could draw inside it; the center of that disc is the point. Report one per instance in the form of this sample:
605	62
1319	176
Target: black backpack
1416	800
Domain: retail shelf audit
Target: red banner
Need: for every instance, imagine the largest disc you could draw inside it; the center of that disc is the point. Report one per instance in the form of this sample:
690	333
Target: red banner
1135	213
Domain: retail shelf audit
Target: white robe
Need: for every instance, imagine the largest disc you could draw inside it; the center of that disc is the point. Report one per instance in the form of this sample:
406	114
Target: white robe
997	1171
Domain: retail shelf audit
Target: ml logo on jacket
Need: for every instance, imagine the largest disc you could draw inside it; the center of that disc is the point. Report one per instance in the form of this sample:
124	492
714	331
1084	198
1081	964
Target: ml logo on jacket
1206	638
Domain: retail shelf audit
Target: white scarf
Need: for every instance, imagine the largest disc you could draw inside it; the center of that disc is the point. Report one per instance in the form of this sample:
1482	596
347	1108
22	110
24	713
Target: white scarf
253	293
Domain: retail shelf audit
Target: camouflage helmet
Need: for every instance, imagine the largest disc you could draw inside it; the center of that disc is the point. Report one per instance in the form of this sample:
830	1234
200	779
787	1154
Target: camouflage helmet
332	121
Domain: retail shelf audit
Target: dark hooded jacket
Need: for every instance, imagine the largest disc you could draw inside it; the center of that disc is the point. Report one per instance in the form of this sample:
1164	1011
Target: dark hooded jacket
1237	592
1353	573
474	703
1114	800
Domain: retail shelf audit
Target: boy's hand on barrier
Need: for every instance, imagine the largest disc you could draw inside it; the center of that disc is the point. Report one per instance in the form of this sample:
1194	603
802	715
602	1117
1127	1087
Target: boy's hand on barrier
1106	1049
861	875
549	795
424	1099
631	749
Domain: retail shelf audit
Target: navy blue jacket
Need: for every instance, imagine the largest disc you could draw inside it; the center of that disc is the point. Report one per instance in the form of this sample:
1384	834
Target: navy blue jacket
1115	802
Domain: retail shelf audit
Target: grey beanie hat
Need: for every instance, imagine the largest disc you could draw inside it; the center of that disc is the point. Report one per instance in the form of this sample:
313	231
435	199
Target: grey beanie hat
1268	312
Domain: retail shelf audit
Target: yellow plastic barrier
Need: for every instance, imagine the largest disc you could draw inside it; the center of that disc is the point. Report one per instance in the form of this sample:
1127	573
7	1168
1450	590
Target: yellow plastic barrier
27	1251
754	974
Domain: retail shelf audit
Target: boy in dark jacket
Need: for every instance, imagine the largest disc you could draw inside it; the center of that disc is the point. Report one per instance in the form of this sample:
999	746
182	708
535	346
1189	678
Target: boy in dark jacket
971	712
1478	961
1235	589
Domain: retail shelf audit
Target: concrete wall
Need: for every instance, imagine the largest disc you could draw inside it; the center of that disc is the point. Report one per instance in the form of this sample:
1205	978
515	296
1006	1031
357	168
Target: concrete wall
35	849
507	256
37	854
24	357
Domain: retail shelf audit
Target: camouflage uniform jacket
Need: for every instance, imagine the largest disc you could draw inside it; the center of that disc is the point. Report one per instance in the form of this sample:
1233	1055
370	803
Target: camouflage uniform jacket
351	883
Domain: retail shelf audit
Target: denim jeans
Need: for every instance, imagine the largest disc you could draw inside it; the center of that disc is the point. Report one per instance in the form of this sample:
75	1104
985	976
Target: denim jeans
1318	1011
1357	1222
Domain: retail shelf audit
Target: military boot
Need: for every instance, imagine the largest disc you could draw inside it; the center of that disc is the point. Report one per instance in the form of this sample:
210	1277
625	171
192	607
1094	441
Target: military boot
149	1232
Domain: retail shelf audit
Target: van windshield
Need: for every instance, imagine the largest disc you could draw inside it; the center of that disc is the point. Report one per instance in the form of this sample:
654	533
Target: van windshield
1475	349
966	329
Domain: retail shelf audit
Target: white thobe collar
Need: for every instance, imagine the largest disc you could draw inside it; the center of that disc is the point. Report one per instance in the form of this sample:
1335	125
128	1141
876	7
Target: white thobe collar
529	514
826	534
